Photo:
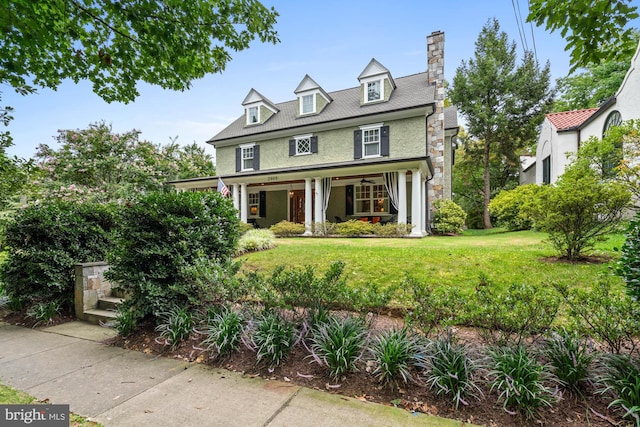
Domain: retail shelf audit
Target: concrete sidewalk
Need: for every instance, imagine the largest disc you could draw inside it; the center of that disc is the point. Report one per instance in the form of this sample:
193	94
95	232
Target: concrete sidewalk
67	364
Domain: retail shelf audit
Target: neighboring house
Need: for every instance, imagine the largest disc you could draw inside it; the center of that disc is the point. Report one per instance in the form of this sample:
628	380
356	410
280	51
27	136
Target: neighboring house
381	151
562	133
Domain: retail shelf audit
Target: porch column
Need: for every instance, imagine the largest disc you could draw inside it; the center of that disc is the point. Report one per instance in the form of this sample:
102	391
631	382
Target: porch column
308	214
318	208
243	203
417	203
402	197
236	196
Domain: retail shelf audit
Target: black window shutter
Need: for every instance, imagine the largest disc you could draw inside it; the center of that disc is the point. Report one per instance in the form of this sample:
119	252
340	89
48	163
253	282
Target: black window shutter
384	141
349	200
292	147
262	208
256	157
238	159
314	144
357	144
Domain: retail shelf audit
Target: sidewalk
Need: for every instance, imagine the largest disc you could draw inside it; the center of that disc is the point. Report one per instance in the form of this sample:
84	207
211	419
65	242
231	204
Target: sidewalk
67	364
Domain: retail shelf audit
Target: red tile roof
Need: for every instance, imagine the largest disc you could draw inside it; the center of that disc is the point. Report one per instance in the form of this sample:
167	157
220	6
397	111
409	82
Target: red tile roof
570	119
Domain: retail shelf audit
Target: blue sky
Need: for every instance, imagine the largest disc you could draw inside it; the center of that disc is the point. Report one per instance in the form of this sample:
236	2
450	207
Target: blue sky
330	40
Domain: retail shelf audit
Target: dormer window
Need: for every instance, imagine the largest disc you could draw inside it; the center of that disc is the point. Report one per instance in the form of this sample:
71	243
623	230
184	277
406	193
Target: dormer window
253	115
308	104
373	91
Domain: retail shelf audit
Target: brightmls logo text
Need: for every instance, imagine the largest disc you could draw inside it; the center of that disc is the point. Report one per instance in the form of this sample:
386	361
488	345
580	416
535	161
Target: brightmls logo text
34	415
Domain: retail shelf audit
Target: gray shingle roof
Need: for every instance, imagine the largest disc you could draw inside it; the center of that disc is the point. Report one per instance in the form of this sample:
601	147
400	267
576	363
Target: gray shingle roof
450	117
410	92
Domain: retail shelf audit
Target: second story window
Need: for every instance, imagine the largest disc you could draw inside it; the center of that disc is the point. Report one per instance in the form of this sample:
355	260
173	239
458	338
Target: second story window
307	104
373	91
247	158
303	145
371	142
253	114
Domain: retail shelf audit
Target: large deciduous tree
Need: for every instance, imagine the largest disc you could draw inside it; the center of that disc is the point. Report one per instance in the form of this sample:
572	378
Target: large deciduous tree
595	30
502	103
115	44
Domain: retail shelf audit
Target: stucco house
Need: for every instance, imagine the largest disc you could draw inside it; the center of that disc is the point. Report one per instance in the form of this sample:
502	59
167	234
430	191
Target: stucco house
561	133
380	151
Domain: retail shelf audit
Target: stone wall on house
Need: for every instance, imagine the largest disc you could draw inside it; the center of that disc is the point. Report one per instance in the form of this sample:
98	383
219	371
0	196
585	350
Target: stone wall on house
435	123
90	285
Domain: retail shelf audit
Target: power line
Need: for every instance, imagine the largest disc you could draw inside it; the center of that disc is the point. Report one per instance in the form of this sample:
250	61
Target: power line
518	23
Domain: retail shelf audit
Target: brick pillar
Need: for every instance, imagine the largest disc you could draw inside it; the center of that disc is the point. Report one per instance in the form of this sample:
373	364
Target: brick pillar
435	123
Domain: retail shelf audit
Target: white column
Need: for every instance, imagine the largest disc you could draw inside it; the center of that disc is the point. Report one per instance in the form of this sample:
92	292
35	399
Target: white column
243	202
402	197
423	211
236	197
308	214
318	208
417	203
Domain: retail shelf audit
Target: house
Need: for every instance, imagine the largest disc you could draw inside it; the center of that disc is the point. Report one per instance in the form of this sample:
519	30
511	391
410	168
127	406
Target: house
561	133
380	151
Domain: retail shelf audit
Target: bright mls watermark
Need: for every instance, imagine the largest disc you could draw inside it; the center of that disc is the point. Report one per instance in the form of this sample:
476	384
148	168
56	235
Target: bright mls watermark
34	415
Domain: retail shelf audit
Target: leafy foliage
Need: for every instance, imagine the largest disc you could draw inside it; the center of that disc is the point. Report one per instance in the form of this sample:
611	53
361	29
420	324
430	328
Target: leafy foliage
164	242
286	229
224	331
595	30
629	265
450	370
44	312
115	45
519	379
338	343
628	170
512	208
570	357
45	240
607	315
394	351
272	337
175	326
502	103
448	217
622	377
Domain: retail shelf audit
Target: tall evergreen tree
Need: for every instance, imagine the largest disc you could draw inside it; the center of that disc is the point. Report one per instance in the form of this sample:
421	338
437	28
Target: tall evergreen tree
502	102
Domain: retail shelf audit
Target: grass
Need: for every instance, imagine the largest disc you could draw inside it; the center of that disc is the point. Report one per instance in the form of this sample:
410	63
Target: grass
500	257
11	396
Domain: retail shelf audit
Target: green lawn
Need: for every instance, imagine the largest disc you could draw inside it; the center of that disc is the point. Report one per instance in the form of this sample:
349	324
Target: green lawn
503	258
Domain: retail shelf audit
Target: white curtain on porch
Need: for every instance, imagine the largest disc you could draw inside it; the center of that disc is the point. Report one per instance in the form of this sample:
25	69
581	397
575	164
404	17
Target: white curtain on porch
391	182
326	192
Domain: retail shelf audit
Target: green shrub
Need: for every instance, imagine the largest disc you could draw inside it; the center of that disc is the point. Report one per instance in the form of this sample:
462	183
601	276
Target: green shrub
391	229
338	344
256	240
512	208
175	326
394	352
45	240
126	321
520	380
450	371
272	338
629	265
511	316
604	314
622	378
287	229
354	228
244	227
224	331
448	217
569	357
165	241
43	312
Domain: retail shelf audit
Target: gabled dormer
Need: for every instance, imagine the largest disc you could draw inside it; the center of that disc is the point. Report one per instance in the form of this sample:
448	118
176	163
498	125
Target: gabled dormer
257	108
376	83
311	97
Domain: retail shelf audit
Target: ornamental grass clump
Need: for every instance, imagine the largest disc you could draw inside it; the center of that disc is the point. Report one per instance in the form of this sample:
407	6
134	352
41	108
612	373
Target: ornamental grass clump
570	358
338	344
272	337
175	326
621	376
223	333
256	240
450	370
44	312
394	352
520	380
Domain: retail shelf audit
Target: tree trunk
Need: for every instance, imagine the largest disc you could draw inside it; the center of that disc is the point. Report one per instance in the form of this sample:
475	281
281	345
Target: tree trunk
487	185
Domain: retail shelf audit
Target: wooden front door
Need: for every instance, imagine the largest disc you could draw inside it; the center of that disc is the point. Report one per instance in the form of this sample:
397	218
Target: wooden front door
296	206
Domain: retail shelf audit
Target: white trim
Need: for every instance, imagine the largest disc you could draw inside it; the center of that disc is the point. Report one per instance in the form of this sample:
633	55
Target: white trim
298	138
248	116
365	82
375	125
313	102
242	148
366	128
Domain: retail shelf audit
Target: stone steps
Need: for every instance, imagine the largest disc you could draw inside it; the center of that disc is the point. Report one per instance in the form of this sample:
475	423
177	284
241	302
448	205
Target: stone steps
100	317
109	303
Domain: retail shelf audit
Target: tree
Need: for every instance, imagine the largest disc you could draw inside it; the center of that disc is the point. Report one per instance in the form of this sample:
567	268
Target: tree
501	103
593	29
628	168
98	164
115	44
13	171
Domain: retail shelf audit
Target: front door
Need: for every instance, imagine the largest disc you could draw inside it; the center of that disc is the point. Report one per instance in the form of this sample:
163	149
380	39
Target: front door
296	206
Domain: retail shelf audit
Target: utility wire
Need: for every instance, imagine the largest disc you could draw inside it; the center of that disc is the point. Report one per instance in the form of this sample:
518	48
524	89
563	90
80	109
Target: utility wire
518	23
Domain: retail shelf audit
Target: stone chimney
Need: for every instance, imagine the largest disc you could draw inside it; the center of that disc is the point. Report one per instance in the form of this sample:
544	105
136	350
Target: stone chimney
435	122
